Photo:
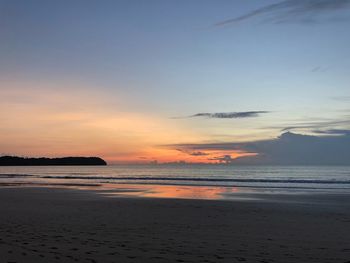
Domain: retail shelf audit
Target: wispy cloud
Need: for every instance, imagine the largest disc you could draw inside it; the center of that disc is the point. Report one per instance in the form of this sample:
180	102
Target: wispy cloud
304	11
312	125
193	153
318	125
227	115
342	98
319	69
333	132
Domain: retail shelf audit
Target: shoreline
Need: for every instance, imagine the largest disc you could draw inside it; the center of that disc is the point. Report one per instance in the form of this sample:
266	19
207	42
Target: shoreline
70	225
195	192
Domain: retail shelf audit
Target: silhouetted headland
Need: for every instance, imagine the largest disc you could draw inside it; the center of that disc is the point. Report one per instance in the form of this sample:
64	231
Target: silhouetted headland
22	161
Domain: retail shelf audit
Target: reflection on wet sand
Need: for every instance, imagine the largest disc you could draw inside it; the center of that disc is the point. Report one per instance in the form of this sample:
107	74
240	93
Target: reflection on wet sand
170	191
149	190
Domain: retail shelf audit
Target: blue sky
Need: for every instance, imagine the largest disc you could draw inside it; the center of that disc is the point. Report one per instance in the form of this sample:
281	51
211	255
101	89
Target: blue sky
170	59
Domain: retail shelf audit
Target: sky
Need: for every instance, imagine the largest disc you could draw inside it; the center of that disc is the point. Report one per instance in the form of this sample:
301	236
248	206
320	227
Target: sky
196	81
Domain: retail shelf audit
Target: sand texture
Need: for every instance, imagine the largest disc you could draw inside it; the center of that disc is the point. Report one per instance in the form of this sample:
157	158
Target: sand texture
57	225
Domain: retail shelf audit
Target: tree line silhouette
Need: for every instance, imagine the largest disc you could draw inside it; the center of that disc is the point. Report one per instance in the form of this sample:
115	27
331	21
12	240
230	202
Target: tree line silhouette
23	161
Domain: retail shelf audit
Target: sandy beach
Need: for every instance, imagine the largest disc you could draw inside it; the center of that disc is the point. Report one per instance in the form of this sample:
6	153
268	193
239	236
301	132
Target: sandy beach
64	225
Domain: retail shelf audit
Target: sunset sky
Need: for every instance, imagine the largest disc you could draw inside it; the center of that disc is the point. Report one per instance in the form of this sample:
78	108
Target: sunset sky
196	81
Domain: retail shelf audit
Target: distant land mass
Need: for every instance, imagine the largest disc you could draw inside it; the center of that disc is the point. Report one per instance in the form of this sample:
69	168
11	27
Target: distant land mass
23	161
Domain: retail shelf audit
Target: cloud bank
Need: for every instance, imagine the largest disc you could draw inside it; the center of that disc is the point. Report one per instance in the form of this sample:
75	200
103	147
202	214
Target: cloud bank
288	149
304	11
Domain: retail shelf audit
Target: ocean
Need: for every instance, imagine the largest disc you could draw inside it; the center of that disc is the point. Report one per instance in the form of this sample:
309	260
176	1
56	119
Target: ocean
328	178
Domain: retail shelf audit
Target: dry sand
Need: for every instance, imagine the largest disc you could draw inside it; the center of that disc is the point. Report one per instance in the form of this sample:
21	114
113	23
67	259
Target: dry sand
57	225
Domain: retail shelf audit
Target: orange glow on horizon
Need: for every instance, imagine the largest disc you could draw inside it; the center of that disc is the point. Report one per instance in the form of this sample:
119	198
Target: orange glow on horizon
48	121
165	155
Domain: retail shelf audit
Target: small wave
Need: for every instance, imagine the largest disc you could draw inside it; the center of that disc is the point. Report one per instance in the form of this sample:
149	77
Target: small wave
15	175
234	180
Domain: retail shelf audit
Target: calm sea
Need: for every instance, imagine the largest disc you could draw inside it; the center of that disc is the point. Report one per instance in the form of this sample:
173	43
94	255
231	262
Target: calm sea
273	177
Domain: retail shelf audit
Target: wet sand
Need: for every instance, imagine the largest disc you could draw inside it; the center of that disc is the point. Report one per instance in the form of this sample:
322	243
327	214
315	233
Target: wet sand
62	225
